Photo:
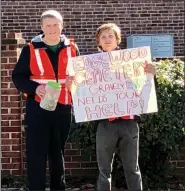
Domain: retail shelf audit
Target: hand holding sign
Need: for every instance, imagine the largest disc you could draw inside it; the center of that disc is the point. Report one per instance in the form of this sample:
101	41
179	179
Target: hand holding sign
150	68
69	81
113	84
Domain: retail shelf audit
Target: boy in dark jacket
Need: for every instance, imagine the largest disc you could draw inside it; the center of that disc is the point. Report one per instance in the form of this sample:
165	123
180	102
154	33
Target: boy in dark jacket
43	60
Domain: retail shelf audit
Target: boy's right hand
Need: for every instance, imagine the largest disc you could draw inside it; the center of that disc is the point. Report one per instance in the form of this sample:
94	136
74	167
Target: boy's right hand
40	91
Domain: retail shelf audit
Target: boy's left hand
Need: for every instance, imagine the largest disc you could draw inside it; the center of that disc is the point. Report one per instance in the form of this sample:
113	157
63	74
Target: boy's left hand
150	68
69	81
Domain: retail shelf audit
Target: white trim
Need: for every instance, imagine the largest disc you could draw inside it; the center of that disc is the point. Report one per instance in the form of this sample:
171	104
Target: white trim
69	60
68	52
66	41
43	81
39	62
62	81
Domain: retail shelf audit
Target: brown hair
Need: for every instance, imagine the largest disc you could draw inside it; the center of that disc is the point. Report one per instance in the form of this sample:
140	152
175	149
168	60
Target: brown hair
108	26
51	14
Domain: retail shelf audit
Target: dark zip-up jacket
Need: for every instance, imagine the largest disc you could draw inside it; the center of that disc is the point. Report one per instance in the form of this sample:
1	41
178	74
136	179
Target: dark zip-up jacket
21	73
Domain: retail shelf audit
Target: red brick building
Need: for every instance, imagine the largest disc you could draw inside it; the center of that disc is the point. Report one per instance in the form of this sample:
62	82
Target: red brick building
81	17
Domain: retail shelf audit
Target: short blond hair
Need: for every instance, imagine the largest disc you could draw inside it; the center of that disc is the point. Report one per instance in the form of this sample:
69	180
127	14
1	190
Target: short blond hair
51	14
107	26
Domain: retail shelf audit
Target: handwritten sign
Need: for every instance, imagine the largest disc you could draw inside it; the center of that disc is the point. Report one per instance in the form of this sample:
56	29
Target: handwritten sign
112	84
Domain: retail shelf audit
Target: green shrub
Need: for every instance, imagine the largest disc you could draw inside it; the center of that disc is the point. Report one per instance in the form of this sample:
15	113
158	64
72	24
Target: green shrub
161	133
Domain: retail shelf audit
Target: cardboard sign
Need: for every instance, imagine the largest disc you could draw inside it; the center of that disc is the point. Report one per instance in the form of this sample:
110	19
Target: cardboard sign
112	84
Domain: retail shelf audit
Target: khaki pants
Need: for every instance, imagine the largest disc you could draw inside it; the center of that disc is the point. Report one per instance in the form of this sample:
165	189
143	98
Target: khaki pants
107	137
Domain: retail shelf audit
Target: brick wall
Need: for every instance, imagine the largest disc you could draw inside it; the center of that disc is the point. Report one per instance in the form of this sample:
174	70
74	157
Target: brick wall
82	17
10	105
179	163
